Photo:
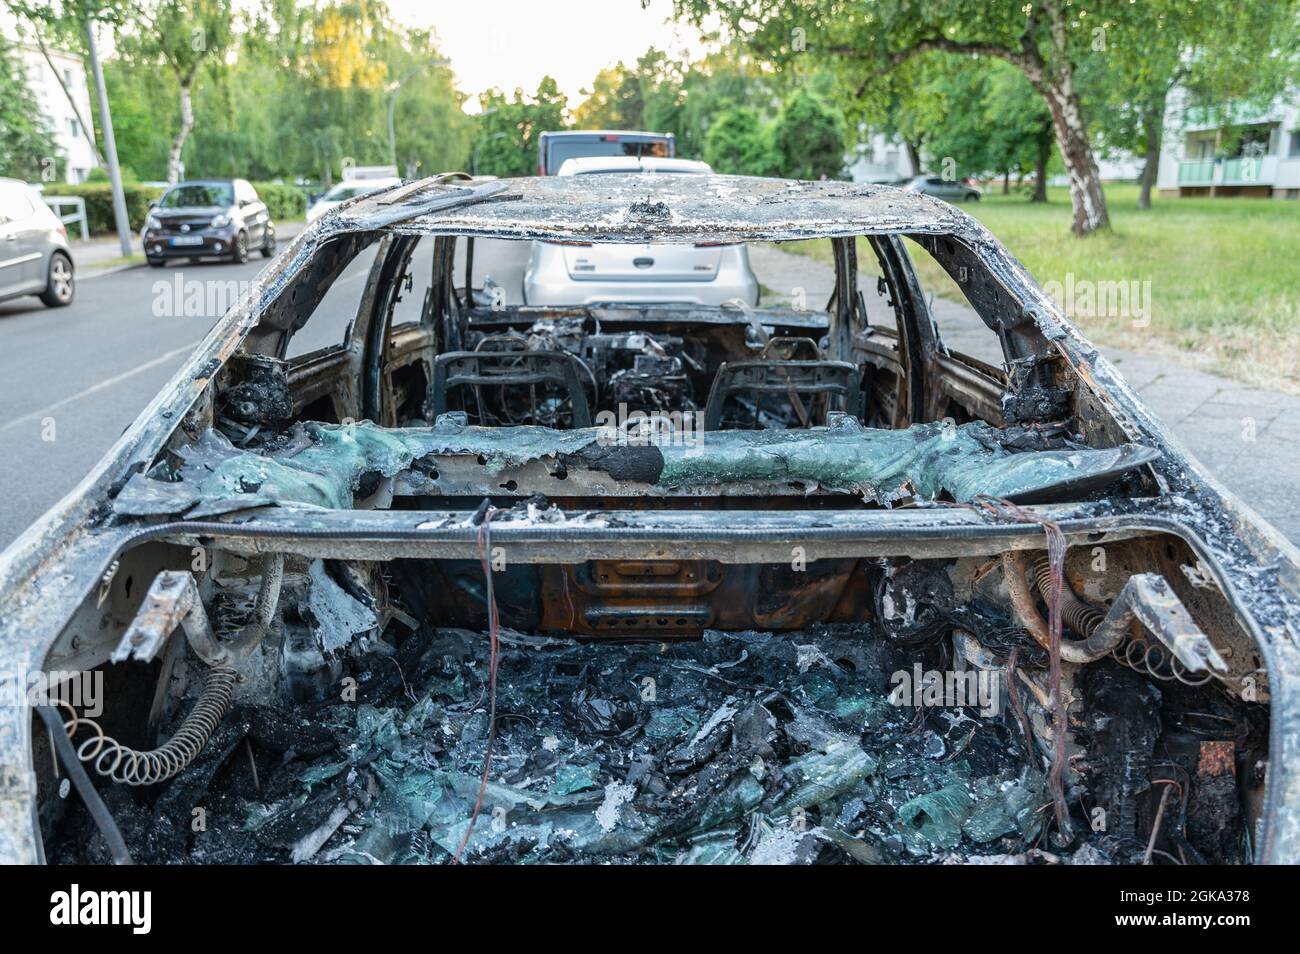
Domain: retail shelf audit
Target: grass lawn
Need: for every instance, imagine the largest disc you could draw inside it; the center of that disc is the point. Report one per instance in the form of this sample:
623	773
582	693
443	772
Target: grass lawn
1224	274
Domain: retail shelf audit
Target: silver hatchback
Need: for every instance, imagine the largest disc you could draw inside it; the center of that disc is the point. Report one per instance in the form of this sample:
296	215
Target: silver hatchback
582	273
34	256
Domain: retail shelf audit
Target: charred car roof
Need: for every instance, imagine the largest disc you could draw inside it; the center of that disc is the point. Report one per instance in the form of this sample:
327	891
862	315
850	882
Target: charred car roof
637	207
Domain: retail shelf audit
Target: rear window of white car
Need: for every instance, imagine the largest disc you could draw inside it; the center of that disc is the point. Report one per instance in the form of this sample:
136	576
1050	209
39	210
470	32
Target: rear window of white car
15	203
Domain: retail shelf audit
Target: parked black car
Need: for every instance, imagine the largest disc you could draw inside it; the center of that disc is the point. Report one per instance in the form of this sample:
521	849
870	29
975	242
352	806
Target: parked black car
202	218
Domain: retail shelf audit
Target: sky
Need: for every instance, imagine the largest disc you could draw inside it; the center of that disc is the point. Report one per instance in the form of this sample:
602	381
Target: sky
514	43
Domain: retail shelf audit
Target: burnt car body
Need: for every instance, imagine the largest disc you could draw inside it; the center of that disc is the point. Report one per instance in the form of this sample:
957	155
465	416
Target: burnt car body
268	528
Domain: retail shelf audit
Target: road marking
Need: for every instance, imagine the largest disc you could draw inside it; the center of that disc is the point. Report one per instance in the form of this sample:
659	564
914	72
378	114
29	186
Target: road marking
106	383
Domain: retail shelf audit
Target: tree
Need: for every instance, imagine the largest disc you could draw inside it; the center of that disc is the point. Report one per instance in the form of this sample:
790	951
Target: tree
738	144
808	138
984	119
600	109
64	23
509	129
182	35
1218	51
1044	40
661	94
27	150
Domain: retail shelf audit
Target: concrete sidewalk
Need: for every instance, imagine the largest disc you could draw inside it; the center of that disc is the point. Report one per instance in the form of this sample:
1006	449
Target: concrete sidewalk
103	255
1245	436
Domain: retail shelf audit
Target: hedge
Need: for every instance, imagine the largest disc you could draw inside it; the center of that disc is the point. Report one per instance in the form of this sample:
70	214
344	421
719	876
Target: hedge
99	202
286	202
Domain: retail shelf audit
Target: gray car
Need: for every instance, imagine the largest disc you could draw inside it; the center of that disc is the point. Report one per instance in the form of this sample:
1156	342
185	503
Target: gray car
208	218
949	190
34	257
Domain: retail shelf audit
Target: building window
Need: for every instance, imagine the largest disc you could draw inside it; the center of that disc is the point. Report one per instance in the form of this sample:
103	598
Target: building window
1295	144
74	128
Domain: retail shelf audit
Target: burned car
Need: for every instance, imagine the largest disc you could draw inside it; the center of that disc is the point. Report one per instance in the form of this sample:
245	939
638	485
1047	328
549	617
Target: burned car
648	583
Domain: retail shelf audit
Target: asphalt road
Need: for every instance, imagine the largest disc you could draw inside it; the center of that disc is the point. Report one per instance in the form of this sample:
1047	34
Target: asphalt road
73	379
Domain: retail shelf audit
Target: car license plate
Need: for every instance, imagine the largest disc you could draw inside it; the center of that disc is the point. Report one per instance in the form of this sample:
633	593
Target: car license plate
188	240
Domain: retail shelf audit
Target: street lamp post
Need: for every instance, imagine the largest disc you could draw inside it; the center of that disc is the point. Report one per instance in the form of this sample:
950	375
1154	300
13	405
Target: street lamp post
120	218
393	90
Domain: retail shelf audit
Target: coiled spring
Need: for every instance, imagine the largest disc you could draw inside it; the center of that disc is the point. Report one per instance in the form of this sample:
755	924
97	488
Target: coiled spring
1138	653
1075	613
129	766
1157	662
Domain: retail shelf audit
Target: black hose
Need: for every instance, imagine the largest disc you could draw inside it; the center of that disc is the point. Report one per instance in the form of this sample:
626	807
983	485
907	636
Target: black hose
94	804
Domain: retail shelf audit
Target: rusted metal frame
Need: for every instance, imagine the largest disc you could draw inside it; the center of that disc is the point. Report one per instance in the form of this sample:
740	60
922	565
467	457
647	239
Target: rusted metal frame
321	375
1147	598
1001	310
919	341
475	370
971	388
409	345
909	405
96	551
834	379
906	291
640	534
172	602
469	272
295	302
1253	564
613	316
390	264
680	598
446	309
844	303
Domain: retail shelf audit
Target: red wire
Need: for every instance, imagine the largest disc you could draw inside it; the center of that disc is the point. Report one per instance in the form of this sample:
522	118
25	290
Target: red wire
484	553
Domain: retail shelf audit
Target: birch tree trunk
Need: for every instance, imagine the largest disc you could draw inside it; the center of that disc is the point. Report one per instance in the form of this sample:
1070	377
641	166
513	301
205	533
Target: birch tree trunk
187	124
1086	196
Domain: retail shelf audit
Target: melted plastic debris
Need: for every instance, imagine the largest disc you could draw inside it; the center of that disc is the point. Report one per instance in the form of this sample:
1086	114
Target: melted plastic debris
718	751
339	615
330	466
924	460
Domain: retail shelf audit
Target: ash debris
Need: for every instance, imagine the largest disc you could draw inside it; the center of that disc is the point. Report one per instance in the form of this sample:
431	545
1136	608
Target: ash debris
737	748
